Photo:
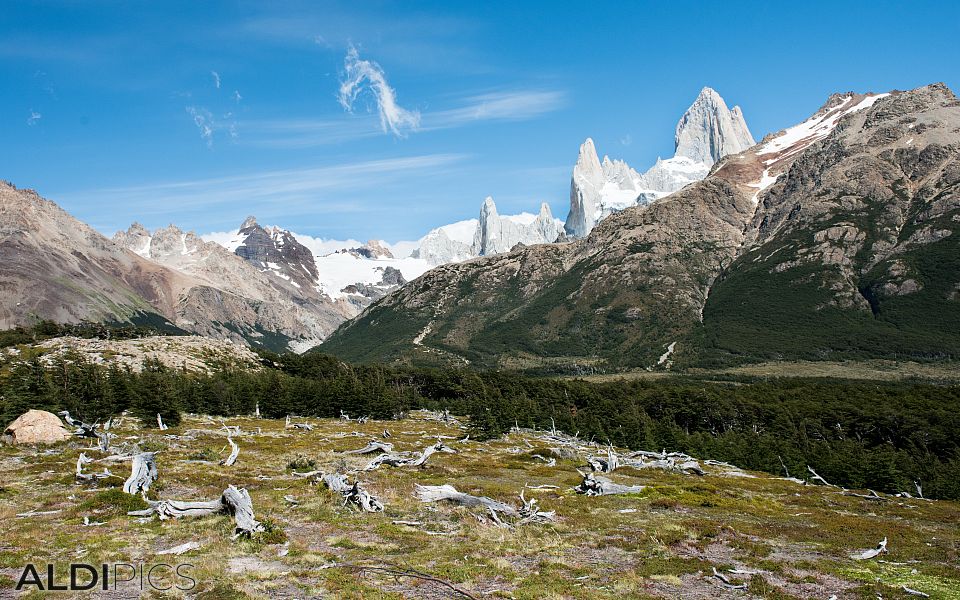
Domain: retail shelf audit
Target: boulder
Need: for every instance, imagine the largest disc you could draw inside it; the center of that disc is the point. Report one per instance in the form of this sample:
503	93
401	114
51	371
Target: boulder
36	427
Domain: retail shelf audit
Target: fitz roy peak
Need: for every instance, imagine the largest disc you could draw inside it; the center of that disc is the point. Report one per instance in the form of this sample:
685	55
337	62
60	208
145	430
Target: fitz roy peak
706	132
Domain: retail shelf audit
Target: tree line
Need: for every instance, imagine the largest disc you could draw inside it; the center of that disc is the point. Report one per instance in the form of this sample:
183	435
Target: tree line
882	436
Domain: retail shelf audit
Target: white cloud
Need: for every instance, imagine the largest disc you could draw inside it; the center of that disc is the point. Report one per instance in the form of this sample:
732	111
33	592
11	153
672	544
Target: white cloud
626	140
34	117
208	125
216	78
364	75
318	246
237	97
512	105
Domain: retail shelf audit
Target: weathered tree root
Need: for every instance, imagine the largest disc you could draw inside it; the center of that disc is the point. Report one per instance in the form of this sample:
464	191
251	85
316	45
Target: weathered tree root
233	501
143	473
354	493
594	485
408	459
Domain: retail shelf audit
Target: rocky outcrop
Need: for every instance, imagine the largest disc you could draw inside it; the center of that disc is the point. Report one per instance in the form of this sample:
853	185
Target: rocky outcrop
496	234
706	132
277	250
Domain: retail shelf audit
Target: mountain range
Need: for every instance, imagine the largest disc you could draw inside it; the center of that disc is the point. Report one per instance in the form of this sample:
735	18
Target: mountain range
832	238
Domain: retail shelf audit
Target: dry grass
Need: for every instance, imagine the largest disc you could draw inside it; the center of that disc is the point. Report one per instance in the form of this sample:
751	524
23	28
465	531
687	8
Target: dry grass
798	539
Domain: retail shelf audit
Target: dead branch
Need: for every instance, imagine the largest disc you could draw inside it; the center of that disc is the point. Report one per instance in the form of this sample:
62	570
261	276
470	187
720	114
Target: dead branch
819	480
228	462
160	423
84	460
873	552
405	572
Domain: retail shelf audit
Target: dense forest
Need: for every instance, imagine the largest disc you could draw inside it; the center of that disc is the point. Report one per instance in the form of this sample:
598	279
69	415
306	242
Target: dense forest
881	436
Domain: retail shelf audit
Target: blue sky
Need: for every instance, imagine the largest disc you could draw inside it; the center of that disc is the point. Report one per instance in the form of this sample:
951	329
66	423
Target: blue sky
199	113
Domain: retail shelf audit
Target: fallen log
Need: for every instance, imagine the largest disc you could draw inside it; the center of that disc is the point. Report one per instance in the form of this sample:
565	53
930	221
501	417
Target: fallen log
233	501
408	459
436	493
143	474
373	446
594	485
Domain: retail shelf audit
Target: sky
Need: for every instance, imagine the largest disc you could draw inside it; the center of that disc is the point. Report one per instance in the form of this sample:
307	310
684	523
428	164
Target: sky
382	120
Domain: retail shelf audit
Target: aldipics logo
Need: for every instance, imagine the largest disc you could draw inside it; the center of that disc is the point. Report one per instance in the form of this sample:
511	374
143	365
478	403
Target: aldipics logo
82	577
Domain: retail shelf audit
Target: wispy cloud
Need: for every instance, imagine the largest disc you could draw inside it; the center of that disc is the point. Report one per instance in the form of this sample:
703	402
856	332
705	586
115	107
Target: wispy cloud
216	78
209	126
276	193
511	105
497	106
367	76
34	117
236	96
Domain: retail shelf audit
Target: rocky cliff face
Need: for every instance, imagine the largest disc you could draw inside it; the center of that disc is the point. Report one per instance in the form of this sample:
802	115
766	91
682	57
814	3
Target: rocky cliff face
706	132
832	238
496	234
279	251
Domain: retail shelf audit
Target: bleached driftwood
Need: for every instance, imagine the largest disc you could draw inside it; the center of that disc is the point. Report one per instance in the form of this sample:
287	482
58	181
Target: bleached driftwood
84	460
143	473
82	429
914	592
352	493
873	552
178	550
819	480
604	465
594	485
726	581
373	446
673	461
160	423
234	452
233	501
291	425
386	434
436	493
408	459
528	512
873	496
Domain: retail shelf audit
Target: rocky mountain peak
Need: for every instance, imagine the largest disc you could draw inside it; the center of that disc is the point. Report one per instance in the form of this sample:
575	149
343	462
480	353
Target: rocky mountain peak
708	130
249	222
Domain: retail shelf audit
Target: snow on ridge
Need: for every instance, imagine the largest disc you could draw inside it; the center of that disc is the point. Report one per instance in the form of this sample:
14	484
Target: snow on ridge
815	128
